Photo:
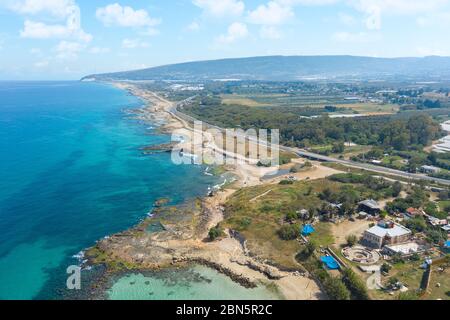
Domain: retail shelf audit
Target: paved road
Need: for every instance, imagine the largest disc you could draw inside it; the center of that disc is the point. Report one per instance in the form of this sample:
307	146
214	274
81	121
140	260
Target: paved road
314	156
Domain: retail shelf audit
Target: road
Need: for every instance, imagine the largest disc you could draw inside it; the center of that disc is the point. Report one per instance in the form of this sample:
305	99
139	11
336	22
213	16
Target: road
174	110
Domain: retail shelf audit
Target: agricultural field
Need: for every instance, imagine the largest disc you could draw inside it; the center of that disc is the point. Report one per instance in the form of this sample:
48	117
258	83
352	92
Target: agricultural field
291	100
439	285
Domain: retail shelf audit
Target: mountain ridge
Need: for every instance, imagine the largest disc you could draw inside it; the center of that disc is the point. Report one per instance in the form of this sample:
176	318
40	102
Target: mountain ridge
291	68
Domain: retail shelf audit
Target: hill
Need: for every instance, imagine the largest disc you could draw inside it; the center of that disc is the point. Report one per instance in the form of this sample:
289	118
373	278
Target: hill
293	68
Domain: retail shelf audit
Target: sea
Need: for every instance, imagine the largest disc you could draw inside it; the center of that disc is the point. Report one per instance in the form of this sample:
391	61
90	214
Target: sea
72	172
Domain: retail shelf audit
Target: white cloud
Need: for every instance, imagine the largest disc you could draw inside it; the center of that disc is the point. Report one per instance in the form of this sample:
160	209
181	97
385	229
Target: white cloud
68	49
40	30
41	64
236	31
66	10
134	43
347	19
307	2
277	12
99	50
194	26
272	13
221	8
441	19
359	37
374	9
115	14
431	51
36	51
398	6
270	32
57	8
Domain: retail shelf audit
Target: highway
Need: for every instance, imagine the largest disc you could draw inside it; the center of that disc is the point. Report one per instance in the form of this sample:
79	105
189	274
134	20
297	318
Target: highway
174	110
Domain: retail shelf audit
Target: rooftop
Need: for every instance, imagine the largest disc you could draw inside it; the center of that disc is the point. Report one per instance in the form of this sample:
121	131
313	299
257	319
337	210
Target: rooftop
396	231
406	248
370	203
430	168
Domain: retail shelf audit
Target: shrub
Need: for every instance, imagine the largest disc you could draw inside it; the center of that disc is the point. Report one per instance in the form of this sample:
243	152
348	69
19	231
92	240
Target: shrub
385	267
415	257
352	240
288	232
355	285
291	216
335	289
408	295
215	233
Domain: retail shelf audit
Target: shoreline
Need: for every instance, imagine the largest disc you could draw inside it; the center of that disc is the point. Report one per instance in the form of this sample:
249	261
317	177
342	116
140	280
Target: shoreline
185	245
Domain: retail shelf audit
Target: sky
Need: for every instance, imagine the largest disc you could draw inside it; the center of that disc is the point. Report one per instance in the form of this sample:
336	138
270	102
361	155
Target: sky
68	39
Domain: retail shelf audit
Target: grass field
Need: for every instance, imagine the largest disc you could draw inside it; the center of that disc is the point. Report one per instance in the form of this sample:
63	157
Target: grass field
259	219
439	292
259	213
371	108
231	99
288	100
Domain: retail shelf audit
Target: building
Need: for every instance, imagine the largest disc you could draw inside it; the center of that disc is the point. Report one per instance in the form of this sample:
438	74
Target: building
430	169
413	212
446	247
405	249
370	206
303	214
436	221
446	228
386	233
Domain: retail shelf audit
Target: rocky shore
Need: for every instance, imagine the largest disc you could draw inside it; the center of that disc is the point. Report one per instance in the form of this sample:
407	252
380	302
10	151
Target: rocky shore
183	240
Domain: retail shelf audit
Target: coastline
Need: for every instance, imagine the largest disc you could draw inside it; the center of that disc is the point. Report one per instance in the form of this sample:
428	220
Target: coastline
183	243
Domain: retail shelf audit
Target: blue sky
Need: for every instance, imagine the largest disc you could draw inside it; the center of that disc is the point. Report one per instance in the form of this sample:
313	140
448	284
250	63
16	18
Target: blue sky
66	39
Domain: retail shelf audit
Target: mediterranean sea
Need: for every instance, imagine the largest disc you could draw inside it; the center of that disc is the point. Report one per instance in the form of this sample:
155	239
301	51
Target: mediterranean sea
71	172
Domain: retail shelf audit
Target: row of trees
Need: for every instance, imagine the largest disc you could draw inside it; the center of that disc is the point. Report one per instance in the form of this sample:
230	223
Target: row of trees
296	130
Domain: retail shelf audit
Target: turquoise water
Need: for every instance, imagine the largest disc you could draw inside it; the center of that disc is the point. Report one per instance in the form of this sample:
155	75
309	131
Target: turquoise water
196	283
70	173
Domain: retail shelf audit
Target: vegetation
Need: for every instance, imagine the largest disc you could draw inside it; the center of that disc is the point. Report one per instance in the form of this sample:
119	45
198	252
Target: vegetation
335	289
215	232
288	232
352	240
354	284
295	130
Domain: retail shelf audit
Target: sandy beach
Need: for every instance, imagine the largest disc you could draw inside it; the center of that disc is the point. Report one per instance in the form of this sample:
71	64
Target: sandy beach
186	242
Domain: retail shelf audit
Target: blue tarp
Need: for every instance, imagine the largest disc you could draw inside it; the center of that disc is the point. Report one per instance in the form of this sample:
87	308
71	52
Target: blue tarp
447	244
307	230
330	262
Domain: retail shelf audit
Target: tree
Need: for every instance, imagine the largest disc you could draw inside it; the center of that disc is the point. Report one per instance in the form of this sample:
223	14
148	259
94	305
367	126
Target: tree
416	224
354	284
385	267
414	163
311	247
288	232
215	233
415	257
335	289
326	194
347	208
408	295
444	195
338	147
396	189
291	216
352	240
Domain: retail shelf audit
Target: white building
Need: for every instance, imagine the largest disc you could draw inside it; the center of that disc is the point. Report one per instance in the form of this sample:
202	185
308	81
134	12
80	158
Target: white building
386	233
430	169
